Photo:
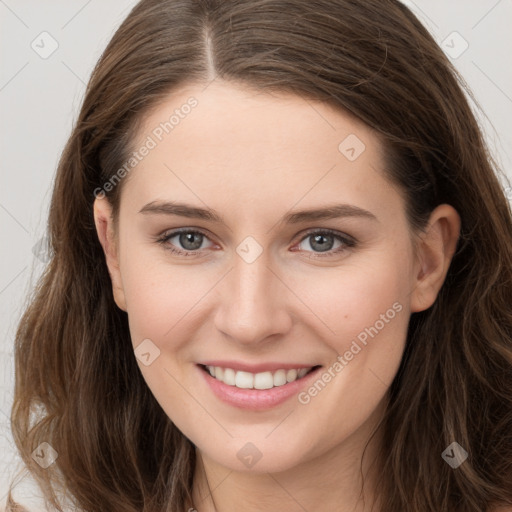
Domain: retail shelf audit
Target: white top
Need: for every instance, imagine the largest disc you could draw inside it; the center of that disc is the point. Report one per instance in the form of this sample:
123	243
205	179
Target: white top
25	492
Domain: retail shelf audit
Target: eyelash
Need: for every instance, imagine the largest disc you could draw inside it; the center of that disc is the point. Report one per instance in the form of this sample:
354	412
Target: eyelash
347	241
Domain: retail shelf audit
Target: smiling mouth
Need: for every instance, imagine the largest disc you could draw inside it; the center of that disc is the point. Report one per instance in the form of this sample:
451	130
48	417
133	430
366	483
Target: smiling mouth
263	380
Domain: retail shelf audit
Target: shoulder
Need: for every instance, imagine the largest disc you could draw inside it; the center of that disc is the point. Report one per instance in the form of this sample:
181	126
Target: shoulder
28	496
25	493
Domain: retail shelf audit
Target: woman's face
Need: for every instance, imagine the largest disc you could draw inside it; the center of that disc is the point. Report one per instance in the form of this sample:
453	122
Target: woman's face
294	254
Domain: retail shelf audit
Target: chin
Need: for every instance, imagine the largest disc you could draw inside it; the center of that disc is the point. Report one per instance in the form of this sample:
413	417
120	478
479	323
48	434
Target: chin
258	456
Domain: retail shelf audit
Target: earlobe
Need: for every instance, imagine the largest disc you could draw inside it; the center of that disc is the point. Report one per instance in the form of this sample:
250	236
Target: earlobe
106	235
435	251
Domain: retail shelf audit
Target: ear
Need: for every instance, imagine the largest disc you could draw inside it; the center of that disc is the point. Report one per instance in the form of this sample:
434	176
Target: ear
434	253
106	234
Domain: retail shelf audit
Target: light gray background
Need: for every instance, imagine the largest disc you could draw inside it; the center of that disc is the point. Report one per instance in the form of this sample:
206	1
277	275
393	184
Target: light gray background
39	100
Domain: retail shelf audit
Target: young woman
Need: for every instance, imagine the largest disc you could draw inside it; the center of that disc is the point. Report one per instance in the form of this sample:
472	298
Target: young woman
281	274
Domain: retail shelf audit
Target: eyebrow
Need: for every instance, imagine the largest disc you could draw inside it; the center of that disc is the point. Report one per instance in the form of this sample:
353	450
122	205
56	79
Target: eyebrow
314	214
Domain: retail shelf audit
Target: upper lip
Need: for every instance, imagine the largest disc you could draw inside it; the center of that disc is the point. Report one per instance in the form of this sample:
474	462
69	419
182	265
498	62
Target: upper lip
257	368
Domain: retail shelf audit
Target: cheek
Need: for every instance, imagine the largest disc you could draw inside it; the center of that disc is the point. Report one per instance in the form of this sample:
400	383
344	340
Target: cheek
366	308
358	296
160	296
162	303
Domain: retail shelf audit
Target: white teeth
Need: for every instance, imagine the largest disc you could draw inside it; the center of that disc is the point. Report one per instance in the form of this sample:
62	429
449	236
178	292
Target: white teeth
279	378
302	372
263	380
291	375
229	376
244	380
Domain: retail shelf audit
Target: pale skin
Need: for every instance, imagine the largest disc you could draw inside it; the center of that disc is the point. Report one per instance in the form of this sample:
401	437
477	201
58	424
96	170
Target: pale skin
253	158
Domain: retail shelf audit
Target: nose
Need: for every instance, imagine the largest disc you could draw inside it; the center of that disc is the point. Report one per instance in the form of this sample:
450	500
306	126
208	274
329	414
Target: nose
253	304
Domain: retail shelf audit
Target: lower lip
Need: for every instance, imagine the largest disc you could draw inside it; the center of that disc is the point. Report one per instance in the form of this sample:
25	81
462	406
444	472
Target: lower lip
256	399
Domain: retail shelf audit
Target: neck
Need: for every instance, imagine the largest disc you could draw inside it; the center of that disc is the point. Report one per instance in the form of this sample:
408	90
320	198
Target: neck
331	481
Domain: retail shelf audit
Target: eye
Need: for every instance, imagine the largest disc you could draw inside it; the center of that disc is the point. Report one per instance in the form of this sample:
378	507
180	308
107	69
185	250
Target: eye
326	242
184	241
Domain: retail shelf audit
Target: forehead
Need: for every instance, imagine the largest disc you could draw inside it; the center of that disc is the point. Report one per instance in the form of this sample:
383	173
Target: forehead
259	148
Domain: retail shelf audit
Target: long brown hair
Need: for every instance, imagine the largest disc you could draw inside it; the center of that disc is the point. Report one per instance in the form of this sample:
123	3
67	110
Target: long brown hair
78	386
